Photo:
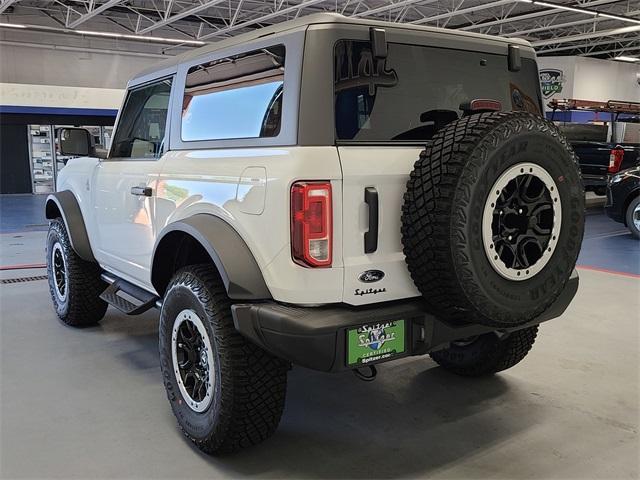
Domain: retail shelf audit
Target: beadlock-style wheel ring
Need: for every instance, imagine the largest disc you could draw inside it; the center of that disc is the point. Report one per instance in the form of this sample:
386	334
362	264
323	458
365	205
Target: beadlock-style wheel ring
59	269
521	221
193	361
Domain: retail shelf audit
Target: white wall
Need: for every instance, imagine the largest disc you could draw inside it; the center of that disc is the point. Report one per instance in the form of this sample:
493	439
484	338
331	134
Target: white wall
602	80
566	67
18	94
46	66
594	79
53	70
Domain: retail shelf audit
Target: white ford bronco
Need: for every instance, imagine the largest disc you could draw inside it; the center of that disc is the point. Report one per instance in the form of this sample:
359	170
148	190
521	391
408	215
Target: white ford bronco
328	192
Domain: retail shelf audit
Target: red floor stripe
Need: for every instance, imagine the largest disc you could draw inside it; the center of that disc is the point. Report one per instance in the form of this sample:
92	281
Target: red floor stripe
606	270
25	266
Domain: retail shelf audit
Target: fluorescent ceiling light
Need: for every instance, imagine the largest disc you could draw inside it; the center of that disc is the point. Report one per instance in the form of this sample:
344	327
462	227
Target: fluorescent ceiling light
138	37
585	11
624	58
618	17
565	7
12	25
123	36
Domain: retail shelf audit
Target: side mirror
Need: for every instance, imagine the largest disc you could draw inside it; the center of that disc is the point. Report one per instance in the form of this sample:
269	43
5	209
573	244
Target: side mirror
76	141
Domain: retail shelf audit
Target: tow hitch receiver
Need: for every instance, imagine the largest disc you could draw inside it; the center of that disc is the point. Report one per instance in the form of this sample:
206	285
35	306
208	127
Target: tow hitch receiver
359	372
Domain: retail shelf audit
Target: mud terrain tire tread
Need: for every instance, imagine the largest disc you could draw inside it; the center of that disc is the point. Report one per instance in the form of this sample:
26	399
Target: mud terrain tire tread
83	306
250	397
433	227
487	355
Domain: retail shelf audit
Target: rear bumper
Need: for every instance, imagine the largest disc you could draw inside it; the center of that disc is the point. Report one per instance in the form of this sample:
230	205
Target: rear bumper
316	337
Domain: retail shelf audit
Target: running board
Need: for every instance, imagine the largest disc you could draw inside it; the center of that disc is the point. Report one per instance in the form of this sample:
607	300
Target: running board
127	297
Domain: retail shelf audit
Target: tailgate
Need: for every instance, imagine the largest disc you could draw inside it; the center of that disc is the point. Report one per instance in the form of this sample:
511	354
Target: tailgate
593	157
384	171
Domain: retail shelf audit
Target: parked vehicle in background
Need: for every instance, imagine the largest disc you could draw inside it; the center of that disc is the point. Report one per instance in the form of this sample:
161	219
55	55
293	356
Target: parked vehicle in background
606	147
623	199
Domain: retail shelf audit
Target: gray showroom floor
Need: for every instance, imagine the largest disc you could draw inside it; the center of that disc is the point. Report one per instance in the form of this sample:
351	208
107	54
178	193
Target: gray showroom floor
89	403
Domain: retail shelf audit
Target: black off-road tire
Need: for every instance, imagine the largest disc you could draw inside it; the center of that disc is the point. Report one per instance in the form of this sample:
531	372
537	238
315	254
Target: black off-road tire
443	209
629	218
487	354
250	384
82	305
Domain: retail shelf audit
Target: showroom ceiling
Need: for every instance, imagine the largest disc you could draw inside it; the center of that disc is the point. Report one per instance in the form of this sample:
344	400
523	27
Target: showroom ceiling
599	28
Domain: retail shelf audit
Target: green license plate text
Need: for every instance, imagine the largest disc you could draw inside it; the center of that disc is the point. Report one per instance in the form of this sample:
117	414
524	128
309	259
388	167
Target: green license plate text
374	342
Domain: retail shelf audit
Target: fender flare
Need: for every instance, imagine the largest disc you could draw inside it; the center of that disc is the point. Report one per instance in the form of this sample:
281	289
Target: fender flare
236	264
66	205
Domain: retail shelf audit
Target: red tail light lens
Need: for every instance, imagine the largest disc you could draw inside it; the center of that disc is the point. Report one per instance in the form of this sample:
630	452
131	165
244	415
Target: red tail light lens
615	160
311	224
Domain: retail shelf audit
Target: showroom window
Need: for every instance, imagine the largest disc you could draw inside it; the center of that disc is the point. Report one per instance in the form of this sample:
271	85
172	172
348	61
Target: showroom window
235	97
141	129
417	90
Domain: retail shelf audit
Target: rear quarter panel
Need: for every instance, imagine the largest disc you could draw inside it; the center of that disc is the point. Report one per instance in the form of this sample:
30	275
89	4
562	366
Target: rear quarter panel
257	206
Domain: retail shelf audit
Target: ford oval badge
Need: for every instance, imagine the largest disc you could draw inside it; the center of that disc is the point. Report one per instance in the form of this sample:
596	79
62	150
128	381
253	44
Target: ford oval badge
371	276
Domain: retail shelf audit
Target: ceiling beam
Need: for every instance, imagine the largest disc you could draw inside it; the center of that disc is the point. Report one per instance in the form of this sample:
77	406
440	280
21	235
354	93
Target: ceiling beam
263	18
527	16
93	12
619	50
564	25
391	6
181	15
462	11
587	44
587	36
4	4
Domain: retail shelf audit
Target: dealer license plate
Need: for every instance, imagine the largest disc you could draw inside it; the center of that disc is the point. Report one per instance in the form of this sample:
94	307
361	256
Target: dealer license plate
375	342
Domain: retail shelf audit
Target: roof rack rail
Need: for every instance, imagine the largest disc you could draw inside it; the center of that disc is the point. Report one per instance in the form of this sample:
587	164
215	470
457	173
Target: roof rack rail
610	106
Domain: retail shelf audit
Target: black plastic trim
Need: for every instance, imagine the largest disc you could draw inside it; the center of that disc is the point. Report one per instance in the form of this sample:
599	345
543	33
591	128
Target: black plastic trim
315	337
144	299
232	257
65	202
514	59
371	236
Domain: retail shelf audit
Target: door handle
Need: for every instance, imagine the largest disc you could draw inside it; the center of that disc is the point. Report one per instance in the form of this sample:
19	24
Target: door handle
141	191
371	237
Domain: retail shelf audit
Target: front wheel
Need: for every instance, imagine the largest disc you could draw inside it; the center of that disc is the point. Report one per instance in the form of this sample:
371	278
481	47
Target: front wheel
486	354
225	392
633	217
74	283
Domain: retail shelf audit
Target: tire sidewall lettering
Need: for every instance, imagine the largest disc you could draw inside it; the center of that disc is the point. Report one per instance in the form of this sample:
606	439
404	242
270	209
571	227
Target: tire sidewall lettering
521	146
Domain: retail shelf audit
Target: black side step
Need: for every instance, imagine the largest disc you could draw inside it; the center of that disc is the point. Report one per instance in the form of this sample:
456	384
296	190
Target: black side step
127	297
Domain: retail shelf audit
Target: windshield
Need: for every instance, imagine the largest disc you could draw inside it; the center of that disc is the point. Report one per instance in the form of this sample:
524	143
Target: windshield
417	90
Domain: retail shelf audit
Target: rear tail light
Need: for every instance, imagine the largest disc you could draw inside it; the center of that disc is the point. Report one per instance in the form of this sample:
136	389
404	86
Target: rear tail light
615	160
311	224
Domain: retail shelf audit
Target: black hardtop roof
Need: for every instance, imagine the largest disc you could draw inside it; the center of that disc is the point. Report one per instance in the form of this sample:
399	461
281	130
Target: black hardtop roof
314	19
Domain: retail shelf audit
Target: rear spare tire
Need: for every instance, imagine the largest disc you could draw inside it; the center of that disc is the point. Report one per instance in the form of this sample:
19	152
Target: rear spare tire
493	218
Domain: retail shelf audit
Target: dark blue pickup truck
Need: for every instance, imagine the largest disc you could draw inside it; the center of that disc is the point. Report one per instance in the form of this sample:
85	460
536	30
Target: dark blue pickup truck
598	155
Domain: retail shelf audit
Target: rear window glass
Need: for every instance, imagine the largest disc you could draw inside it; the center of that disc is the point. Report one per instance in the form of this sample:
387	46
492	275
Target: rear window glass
417	90
235	97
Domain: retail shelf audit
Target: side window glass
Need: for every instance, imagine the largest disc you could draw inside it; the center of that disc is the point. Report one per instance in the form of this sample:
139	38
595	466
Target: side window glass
235	97
141	129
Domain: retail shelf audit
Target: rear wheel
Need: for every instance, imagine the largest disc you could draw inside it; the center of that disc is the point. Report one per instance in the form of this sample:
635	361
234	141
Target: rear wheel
225	392
74	283
633	217
486	354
